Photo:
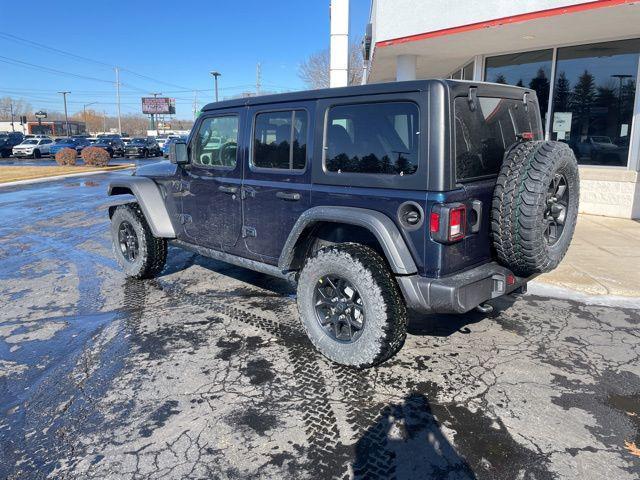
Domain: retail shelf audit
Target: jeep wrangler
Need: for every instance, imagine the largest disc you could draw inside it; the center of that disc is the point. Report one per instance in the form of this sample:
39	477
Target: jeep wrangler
433	196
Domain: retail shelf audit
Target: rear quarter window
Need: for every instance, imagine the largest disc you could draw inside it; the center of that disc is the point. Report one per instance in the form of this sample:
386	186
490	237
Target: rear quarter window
373	138
484	133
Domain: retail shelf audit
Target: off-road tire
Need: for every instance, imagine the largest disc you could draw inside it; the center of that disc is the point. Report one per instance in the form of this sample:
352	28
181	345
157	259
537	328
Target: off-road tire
385	327
520	201
152	250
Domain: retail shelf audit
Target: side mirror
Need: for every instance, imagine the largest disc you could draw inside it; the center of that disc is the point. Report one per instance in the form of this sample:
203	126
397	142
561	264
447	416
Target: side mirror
178	153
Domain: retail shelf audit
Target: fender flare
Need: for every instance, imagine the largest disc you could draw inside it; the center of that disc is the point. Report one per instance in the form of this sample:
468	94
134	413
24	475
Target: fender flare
379	224
147	195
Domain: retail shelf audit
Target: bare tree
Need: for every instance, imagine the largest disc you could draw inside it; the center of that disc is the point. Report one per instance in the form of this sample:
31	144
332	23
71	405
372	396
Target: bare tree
20	107
314	71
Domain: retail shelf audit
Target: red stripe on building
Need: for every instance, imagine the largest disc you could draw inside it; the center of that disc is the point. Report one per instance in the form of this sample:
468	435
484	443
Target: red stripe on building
583	7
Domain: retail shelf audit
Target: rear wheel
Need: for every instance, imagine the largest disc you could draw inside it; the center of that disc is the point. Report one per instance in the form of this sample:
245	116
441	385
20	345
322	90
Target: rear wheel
350	305
535	206
137	250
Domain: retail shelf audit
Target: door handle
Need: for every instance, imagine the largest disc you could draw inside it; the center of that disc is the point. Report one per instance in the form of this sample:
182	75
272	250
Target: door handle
291	196
229	190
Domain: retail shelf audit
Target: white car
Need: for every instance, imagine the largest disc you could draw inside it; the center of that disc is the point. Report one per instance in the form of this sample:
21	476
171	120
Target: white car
33	147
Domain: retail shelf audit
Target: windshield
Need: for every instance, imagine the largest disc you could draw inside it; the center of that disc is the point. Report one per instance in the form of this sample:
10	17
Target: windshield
601	139
139	140
65	141
30	142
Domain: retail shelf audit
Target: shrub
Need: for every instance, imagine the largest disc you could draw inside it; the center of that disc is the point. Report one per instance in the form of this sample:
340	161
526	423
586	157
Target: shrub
66	156
95	156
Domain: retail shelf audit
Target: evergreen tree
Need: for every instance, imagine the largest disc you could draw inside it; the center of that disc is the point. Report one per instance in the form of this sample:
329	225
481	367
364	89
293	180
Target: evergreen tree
562	93
540	83
500	78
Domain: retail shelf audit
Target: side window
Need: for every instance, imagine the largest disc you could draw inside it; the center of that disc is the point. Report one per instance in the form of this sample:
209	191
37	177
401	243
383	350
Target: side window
280	140
216	143
381	138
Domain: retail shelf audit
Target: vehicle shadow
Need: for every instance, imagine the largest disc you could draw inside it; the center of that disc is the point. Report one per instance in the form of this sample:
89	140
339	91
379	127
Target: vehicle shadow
444	325
407	442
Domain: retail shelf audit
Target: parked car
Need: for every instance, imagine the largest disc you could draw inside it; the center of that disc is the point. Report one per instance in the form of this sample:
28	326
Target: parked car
161	140
114	146
78	144
374	200
142	147
8	140
126	140
33	147
167	144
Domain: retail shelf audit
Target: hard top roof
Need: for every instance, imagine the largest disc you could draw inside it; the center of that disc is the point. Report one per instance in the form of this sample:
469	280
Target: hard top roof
368	89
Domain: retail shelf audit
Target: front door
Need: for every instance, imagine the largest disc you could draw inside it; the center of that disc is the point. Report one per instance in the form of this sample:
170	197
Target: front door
276	187
211	206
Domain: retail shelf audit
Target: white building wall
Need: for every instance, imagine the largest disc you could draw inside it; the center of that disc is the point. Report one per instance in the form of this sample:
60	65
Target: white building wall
402	18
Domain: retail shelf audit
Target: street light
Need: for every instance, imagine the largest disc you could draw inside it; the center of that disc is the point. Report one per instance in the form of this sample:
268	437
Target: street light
66	117
621	77
84	112
215	80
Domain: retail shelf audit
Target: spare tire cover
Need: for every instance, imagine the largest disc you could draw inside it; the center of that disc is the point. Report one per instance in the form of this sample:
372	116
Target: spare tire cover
535	206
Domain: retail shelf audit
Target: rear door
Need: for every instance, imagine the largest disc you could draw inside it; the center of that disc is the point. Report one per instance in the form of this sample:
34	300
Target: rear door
484	129
276	186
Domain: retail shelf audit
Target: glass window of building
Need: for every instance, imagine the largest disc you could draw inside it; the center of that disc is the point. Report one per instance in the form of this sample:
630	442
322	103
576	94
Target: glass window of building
593	100
526	69
467	71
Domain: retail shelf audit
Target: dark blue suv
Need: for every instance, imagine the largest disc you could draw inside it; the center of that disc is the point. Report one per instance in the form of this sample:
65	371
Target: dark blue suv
432	195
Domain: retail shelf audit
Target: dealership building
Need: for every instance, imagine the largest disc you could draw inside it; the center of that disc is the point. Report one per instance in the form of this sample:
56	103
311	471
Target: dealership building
580	57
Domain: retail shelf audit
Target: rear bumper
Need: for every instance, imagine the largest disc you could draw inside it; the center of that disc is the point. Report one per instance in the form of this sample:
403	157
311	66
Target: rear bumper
460	292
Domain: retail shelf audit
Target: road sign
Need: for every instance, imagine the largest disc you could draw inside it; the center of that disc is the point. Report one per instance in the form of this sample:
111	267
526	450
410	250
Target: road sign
40	114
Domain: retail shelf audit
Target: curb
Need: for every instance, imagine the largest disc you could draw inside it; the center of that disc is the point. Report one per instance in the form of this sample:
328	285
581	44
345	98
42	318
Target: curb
562	293
61	177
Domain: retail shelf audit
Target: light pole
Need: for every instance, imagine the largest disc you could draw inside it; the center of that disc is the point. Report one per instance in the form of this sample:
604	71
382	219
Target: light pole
621	77
66	117
215	81
84	112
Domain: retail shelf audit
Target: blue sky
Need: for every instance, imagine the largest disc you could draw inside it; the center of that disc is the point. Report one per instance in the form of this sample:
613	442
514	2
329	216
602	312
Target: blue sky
178	43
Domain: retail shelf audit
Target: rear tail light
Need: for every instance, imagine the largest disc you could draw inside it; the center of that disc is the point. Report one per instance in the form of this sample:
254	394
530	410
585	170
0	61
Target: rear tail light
448	223
457	221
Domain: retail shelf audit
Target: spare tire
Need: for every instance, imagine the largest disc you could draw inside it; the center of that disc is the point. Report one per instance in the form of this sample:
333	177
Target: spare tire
535	206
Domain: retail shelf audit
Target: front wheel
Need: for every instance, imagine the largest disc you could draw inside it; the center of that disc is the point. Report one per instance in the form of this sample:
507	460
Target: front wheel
36	153
351	306
137	250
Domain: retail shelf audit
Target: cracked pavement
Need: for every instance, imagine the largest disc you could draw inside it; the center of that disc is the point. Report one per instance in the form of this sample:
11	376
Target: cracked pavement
206	373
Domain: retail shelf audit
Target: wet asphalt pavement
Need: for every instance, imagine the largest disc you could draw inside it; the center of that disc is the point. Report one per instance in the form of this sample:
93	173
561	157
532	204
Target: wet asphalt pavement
205	373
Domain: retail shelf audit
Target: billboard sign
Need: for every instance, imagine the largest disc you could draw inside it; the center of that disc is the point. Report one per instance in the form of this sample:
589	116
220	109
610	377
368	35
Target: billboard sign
158	105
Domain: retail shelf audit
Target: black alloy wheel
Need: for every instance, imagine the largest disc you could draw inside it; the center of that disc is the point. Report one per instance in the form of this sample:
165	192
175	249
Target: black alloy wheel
128	241
339	309
555	214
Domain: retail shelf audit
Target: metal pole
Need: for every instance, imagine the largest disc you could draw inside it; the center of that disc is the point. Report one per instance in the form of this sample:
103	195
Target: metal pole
11	107
153	123
118	99
104	122
339	44
215	81
66	116
84	114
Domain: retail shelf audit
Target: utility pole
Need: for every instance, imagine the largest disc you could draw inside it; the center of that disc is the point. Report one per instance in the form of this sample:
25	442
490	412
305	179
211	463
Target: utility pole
215	81
104	122
118	99
258	78
195	103
11	107
66	117
84	113
153	123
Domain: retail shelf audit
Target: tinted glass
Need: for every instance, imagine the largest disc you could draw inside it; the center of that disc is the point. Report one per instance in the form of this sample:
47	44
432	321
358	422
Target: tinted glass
593	100
216	143
277	144
527	69
272	140
483	134
378	138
